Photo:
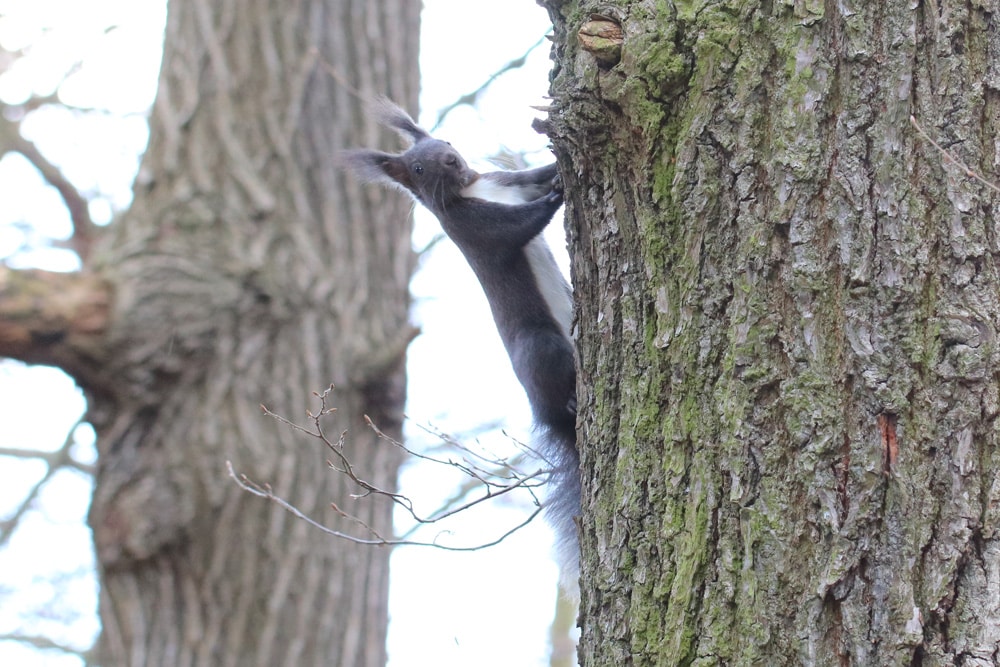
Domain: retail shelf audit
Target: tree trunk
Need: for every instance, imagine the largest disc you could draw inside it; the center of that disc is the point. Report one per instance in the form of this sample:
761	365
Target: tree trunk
788	306
249	270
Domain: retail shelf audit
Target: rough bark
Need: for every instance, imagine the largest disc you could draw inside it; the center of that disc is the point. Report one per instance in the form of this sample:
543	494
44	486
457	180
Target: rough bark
249	270
788	314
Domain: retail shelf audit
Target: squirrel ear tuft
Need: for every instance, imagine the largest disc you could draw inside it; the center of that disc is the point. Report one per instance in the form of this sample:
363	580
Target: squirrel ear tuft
377	167
391	115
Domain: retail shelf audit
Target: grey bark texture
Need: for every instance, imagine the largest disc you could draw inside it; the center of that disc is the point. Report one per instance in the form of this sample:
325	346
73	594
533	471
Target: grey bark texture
251	270
788	307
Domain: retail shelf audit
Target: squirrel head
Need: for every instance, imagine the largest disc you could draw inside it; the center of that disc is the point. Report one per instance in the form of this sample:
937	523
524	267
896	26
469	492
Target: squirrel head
431	170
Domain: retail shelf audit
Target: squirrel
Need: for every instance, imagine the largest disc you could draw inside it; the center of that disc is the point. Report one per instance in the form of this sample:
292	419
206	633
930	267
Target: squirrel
495	219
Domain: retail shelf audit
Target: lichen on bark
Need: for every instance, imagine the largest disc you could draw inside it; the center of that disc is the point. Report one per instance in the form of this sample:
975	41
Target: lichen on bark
787	305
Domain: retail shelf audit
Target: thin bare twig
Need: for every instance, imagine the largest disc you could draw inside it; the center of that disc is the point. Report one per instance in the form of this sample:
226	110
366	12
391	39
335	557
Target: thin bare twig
492	477
951	158
56	460
514	479
264	491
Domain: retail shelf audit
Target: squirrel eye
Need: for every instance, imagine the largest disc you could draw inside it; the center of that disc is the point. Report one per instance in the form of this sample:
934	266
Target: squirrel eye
451	160
418	169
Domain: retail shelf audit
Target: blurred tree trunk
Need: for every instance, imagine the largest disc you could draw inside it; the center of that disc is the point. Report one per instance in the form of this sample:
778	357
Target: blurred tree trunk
788	305
249	270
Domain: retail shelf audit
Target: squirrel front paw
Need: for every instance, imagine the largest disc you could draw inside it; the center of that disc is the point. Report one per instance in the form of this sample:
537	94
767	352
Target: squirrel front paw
557	185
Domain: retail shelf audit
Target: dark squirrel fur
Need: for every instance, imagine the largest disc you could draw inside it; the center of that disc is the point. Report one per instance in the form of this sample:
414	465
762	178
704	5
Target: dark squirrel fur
496	219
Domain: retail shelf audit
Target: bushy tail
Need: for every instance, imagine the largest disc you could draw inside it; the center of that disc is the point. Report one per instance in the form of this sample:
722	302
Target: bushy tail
562	502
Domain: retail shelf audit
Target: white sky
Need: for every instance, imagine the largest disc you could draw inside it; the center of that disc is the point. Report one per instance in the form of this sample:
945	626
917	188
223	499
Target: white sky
485	608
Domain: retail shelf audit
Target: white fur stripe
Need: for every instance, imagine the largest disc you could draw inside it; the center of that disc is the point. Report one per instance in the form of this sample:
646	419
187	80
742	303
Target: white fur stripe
489	190
553	287
550	282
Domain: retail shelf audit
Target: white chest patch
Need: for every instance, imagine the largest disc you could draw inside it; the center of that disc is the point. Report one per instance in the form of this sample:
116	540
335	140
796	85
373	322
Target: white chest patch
489	190
554	288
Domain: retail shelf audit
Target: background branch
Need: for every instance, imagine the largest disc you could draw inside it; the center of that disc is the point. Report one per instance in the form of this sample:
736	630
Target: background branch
76	204
471	97
56	460
42	642
56	319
